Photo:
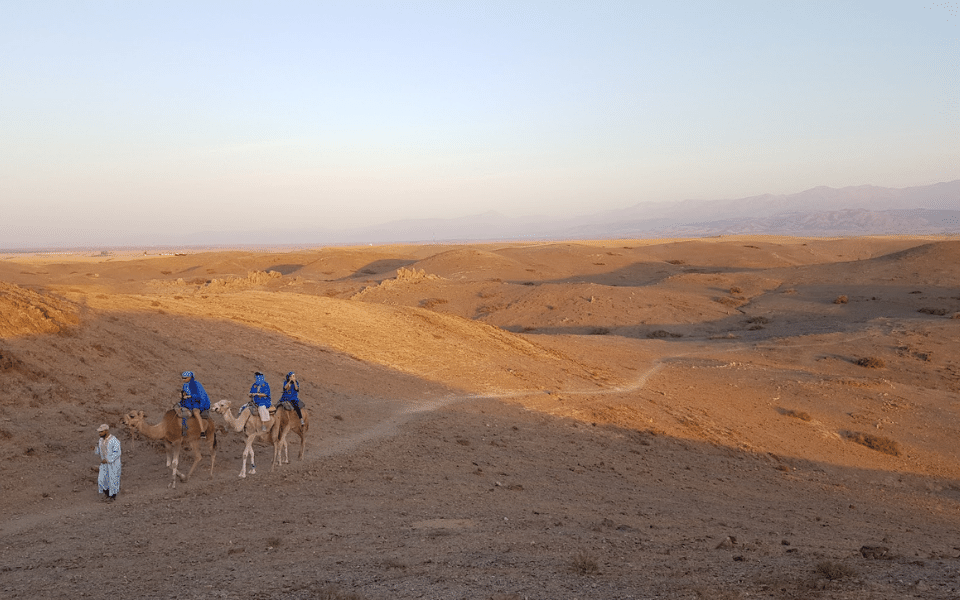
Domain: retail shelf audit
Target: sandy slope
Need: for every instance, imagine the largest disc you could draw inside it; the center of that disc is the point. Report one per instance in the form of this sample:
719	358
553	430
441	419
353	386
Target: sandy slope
496	420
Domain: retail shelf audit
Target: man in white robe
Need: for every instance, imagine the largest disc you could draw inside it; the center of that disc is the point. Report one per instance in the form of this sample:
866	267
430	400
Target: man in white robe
108	481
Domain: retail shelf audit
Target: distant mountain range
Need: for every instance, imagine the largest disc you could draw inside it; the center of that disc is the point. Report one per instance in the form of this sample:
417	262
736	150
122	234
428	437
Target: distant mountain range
818	212
821	211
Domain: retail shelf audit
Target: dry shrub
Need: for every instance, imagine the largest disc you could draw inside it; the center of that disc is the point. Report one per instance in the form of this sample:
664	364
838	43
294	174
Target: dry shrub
660	333
332	593
956	316
677	262
934	311
840	300
798	414
834	570
735	290
728	301
875	552
875	442
758	320
599	331
711	593
431	302
871	362
392	563
273	542
584	564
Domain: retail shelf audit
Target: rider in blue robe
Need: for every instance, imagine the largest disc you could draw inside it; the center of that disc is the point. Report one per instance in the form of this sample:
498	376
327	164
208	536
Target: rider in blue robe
194	398
291	393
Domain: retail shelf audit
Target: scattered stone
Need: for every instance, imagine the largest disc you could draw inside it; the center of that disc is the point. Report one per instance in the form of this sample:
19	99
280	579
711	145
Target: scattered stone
874	551
727	543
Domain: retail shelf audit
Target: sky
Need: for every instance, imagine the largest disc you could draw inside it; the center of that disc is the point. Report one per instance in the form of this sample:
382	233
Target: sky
140	121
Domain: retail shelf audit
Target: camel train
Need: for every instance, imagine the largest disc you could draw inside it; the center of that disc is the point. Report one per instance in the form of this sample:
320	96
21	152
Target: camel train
281	424
170	431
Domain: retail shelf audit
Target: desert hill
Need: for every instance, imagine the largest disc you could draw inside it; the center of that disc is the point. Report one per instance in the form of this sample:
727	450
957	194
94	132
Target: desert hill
540	420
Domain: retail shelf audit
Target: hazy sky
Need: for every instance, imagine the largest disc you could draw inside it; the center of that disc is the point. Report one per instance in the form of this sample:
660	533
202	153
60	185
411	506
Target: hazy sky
156	117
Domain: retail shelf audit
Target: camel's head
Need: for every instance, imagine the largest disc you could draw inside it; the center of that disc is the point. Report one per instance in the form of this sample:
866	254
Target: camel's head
133	419
221	407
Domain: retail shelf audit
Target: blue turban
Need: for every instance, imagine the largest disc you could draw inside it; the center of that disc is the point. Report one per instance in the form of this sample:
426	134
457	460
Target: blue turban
186	374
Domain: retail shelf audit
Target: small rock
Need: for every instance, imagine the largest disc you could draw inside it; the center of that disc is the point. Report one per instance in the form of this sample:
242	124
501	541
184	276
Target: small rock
728	542
874	551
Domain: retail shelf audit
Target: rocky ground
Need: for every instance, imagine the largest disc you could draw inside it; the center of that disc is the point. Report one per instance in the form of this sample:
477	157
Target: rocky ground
722	418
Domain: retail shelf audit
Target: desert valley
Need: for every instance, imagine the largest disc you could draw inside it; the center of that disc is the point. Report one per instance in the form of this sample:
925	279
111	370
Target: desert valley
719	418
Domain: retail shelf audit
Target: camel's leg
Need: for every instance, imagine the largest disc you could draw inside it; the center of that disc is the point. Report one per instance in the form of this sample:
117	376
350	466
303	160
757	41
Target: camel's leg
248	451
285	444
197	457
243	469
212	442
281	444
174	462
281	431
168	446
302	432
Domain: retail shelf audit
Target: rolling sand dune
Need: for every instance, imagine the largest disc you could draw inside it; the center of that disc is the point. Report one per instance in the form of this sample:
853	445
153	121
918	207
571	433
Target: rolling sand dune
735	417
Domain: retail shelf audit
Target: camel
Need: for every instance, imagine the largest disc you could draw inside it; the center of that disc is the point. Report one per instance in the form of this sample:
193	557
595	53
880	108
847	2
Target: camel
290	422
248	421
170	432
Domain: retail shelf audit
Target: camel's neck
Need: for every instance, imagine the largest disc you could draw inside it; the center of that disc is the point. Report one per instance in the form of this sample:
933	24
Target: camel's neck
236	422
154	432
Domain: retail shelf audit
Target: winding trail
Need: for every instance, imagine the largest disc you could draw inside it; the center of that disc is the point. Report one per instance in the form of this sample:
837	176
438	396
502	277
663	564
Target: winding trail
390	418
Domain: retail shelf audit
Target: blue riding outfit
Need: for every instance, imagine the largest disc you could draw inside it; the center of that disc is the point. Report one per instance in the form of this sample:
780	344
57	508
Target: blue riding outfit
291	391
291	394
193	395
193	398
260	391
